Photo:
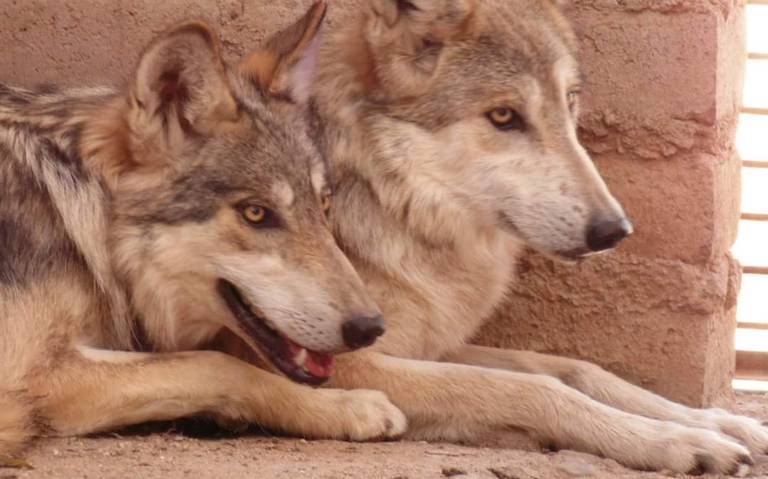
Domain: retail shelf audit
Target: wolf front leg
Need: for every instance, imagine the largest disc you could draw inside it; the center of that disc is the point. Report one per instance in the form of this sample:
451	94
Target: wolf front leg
97	390
441	400
607	388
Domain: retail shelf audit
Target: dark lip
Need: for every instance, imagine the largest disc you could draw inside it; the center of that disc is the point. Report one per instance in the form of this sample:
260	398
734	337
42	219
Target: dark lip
571	256
574	255
268	340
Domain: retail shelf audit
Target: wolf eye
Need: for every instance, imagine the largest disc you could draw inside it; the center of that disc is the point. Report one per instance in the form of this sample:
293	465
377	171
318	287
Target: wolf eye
505	119
258	216
254	214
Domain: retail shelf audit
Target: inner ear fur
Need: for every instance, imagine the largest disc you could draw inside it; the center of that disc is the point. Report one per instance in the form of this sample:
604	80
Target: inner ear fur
392	10
180	91
405	40
284	67
179	95
439	19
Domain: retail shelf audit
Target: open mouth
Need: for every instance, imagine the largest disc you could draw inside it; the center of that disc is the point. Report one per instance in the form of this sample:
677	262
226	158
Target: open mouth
294	361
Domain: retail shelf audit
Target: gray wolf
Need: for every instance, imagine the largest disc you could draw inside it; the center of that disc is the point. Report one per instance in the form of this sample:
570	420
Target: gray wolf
450	130
164	252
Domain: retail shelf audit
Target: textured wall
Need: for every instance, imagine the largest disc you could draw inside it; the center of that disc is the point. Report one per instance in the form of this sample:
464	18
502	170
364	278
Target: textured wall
663	84
97	42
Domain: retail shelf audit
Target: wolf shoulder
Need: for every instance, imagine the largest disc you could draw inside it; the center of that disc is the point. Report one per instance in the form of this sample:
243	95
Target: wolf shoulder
36	150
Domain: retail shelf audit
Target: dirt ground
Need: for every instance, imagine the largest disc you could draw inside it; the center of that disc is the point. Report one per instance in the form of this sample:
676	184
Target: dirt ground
165	452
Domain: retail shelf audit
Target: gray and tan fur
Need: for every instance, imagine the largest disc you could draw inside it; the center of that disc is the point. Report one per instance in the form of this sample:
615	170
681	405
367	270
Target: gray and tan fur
433	204
121	214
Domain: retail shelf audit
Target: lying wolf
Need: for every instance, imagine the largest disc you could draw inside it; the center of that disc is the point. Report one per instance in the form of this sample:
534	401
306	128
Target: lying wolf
450	127
139	227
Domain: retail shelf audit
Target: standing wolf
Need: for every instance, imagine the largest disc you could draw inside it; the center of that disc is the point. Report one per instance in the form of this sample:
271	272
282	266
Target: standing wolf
182	214
450	126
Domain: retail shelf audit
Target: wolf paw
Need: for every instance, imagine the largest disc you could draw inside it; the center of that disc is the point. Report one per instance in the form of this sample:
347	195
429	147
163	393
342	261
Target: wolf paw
698	451
747	431
367	415
665	446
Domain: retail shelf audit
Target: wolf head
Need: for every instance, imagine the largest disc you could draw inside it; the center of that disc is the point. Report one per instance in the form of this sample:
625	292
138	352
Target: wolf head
218	203
477	101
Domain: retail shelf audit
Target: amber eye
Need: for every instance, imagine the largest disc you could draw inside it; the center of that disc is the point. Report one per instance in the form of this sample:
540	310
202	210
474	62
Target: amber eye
254	214
505	119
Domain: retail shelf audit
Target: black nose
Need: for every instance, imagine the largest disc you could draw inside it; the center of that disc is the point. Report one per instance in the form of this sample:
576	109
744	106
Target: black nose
605	233
363	331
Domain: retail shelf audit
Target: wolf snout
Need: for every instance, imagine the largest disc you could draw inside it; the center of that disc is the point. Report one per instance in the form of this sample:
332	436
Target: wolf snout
362	331
605	232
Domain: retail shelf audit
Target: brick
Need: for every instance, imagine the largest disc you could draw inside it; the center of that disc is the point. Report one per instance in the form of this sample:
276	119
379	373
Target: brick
661	324
686	208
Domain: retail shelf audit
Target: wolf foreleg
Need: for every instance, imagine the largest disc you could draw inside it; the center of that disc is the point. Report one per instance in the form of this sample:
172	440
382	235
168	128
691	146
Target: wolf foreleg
452	397
607	388
97	390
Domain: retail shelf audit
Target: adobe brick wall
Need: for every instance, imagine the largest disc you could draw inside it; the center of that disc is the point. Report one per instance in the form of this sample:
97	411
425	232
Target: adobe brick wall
663	85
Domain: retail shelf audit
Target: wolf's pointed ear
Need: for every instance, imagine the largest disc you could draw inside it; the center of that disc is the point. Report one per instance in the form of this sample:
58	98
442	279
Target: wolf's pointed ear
180	90
284	68
423	15
392	10
405	40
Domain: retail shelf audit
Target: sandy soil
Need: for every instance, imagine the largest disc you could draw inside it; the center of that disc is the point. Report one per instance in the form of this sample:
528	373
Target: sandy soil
162	451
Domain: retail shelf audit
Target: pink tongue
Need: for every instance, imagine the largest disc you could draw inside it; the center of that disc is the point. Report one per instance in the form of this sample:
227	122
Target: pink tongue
316	364
293	348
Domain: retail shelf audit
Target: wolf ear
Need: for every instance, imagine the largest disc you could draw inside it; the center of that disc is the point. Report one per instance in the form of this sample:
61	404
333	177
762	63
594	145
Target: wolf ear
180	90
405	40
284	68
392	10
436	17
